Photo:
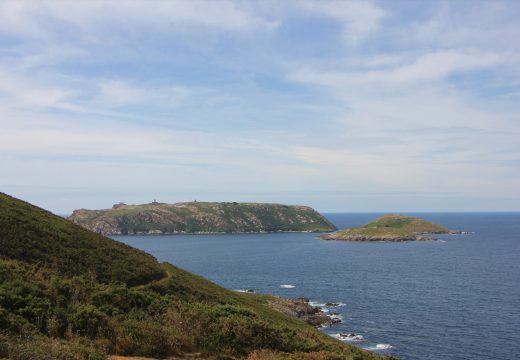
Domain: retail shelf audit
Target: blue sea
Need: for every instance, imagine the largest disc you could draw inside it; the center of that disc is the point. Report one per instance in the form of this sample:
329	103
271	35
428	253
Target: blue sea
455	298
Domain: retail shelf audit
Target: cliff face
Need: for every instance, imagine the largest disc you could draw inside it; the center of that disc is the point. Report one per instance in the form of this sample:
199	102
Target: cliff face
200	217
391	228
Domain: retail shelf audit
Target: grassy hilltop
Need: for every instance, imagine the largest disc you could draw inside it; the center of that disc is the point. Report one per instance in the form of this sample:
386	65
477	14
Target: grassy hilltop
391	228
68	293
200	217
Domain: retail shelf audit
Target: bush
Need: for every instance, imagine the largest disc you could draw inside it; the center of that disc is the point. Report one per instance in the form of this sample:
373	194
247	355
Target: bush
146	338
42	348
89	321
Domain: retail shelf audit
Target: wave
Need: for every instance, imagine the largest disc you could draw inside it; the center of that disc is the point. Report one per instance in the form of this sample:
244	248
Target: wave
316	304
326	305
287	286
380	347
336	317
348	337
383	346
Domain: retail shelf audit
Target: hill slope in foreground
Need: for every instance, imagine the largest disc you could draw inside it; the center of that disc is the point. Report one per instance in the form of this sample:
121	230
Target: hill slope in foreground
200	217
68	293
391	228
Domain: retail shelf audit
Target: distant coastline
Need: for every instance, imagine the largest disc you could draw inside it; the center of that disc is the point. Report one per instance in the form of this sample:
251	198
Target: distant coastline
201	218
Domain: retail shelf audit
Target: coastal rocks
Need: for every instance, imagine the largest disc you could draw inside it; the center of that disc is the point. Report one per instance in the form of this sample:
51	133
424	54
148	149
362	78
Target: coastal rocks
331	304
302	308
359	237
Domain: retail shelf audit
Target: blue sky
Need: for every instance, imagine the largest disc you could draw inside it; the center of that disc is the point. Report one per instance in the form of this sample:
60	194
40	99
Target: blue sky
341	105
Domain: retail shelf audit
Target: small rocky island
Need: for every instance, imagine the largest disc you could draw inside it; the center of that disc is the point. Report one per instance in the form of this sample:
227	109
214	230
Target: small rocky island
201	218
391	228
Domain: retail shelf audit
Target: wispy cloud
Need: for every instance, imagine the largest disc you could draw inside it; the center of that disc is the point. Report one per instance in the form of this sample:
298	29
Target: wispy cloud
37	19
297	99
428	67
115	93
359	19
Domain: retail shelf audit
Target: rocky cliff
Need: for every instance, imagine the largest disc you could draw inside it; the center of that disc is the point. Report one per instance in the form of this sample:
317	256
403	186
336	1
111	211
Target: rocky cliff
200	217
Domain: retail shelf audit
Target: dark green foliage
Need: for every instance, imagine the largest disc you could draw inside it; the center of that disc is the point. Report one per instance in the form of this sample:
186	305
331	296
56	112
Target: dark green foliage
34	235
154	320
50	312
42	348
89	321
26	300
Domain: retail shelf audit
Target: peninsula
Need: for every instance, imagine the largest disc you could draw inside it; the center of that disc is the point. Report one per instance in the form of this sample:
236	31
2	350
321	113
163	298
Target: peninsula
69	293
201	217
391	228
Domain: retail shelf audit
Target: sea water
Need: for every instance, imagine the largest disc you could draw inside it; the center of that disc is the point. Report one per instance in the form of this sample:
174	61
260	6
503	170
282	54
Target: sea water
455	298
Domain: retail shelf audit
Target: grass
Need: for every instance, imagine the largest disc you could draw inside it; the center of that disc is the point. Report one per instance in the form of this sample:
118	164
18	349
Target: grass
120	301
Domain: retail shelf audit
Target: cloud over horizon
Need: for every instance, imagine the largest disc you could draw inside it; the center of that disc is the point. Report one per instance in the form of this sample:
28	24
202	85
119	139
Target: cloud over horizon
341	105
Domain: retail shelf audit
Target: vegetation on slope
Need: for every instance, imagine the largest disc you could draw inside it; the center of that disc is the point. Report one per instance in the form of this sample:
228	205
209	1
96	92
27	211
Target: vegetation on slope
49	312
200	217
391	228
37	236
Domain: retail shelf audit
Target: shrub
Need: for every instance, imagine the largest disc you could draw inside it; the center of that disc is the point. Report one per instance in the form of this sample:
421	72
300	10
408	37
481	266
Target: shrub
89	321
43	348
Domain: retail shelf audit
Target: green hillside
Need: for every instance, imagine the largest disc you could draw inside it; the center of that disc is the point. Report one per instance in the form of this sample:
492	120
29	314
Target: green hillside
391	228
53	309
38	237
200	217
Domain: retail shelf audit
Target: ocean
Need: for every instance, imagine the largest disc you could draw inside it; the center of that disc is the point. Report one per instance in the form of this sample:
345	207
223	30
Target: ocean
455	298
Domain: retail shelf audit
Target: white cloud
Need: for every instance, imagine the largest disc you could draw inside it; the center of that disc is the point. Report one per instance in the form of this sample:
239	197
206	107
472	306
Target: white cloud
359	18
484	25
439	65
24	91
33	90
43	18
429	67
85	101
118	93
349	166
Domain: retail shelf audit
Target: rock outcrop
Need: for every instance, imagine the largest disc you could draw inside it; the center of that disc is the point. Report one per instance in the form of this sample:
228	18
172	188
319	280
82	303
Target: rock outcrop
301	308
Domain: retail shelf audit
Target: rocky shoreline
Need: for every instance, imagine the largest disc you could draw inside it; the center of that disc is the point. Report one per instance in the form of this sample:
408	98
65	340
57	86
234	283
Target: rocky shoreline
303	309
159	232
357	237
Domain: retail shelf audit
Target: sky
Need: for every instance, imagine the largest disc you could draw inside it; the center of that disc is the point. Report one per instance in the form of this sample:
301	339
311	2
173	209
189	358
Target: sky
346	106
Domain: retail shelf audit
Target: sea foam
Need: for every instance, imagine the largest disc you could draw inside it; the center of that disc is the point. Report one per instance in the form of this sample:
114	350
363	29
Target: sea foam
380	347
324	305
348	337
